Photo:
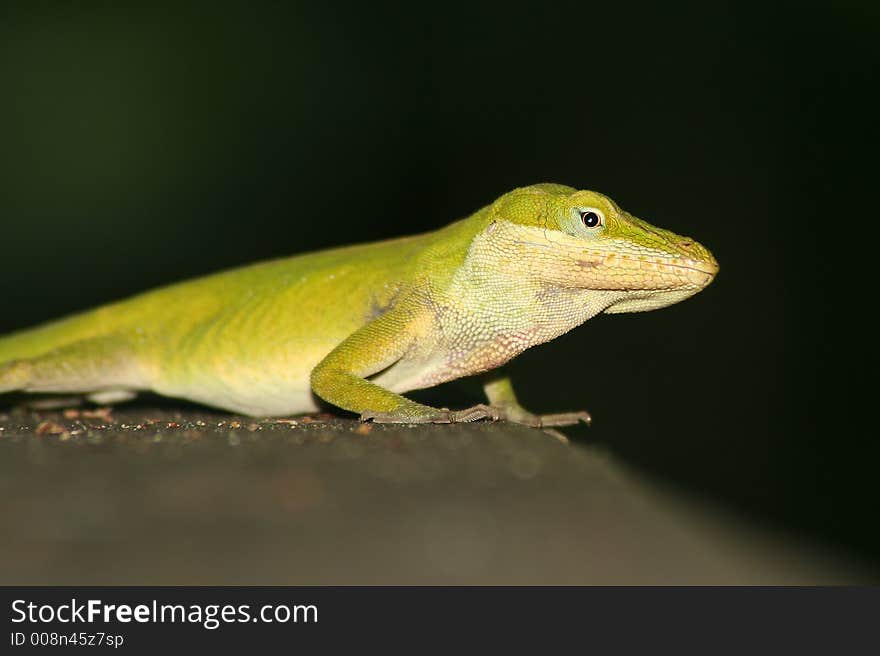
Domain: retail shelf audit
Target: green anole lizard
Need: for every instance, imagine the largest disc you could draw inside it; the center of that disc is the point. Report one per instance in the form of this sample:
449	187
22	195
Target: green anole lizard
358	326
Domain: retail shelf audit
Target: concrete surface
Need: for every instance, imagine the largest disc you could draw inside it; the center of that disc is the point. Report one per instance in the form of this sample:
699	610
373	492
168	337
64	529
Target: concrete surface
150	496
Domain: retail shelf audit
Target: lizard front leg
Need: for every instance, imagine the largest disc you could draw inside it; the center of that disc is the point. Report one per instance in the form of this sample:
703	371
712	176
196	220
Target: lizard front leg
499	390
341	377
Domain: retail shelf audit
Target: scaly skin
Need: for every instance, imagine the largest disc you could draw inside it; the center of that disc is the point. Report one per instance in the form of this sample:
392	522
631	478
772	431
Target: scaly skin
359	326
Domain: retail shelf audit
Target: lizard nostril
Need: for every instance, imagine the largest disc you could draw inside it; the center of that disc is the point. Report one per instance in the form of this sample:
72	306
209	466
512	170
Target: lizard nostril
686	244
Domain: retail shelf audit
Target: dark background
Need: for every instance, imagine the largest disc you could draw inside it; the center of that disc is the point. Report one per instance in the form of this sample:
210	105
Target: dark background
142	146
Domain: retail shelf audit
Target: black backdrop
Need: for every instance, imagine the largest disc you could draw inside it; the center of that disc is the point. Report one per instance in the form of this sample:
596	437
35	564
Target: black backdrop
141	146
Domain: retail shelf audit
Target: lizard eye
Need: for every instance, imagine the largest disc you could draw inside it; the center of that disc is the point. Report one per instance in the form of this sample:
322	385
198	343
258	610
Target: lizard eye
591	217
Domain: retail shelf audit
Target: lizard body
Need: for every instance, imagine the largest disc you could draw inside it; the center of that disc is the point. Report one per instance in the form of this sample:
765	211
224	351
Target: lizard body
360	325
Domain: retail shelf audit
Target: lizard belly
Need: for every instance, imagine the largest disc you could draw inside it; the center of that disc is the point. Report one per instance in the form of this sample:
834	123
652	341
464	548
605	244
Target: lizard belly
277	402
254	393
265	384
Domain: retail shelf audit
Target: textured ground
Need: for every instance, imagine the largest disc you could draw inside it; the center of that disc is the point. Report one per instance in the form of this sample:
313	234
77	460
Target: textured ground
148	496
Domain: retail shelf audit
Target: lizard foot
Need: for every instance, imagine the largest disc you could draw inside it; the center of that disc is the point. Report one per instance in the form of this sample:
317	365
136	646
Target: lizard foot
443	416
478	412
525	418
519	415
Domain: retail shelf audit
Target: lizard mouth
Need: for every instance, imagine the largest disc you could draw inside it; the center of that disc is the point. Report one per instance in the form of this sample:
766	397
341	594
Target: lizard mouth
632	270
709	267
663	271
697	270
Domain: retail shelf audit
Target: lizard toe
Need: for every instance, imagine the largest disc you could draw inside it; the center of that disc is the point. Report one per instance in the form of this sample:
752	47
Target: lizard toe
566	419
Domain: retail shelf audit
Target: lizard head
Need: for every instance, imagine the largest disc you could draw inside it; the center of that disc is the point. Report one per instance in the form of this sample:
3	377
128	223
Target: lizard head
583	240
